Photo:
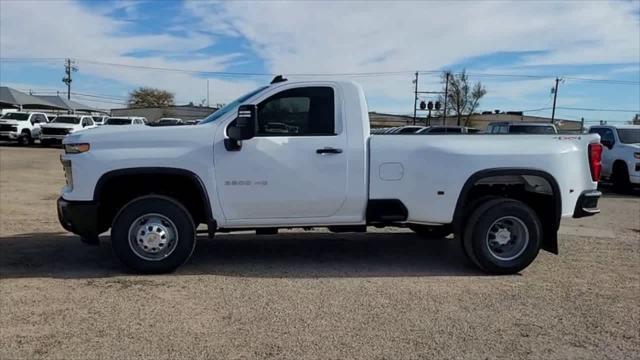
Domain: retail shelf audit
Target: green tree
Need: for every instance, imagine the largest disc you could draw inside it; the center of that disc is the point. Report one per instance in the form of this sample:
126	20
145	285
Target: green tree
149	97
463	97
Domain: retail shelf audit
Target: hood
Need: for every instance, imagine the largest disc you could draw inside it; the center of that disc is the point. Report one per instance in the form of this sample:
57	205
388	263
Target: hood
137	136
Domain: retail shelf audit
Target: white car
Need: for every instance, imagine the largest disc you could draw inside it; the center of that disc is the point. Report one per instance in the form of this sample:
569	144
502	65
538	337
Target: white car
153	186
23	127
125	120
505	127
63	125
621	153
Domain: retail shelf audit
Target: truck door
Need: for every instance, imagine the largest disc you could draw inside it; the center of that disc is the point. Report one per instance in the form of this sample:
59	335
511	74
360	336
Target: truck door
295	167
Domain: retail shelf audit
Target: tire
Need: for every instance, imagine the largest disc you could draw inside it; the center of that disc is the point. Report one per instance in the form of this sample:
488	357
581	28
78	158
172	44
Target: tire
431	232
153	234
620	177
497	221
25	138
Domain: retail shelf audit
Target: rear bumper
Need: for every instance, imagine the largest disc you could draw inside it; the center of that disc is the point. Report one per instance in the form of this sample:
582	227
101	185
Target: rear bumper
78	217
587	204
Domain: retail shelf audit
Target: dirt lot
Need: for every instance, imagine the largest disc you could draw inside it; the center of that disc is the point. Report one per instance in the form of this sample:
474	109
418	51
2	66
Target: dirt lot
381	295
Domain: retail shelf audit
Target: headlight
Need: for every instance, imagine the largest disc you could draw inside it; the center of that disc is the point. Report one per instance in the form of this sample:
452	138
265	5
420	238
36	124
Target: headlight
76	148
636	155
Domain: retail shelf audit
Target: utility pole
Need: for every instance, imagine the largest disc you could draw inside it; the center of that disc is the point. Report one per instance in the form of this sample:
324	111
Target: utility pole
69	67
555	96
446	99
415	98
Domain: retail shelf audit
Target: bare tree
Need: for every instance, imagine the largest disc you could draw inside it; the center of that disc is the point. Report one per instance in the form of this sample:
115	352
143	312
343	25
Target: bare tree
150	97
462	98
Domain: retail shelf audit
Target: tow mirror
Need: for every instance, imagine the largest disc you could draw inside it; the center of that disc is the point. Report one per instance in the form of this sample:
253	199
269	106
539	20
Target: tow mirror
244	128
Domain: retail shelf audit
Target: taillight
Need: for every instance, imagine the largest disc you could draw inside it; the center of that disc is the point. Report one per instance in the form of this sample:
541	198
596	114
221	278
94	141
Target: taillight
595	154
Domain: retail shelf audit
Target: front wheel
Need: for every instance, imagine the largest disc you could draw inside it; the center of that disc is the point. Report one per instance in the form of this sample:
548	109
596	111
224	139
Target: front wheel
153	234
25	138
502	236
620	177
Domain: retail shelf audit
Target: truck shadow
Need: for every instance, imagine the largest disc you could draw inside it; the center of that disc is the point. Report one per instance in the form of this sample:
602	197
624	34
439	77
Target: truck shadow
288	255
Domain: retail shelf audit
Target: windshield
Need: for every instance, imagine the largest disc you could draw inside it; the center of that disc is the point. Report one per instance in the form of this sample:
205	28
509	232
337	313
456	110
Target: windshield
629	136
230	106
15	116
531	129
118	121
67	120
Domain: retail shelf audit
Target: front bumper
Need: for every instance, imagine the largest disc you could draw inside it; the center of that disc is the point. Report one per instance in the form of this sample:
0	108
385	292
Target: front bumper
52	137
587	204
78	217
9	135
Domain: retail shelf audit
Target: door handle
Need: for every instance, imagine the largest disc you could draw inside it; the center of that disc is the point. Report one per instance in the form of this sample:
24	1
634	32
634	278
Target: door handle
328	150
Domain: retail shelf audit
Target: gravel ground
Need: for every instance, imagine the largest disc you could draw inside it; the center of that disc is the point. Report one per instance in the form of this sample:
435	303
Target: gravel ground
303	295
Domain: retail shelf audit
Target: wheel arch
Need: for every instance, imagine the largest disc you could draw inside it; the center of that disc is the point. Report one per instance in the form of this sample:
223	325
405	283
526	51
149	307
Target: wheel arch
136	172
550	240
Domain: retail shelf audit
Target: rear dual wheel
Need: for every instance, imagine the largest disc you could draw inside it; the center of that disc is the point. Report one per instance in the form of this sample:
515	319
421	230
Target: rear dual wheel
502	236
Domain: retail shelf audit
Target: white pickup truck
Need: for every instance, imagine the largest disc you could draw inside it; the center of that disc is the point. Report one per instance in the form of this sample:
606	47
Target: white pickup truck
621	154
23	127
503	197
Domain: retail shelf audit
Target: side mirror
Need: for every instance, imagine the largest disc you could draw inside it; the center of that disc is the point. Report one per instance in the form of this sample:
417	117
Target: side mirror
244	129
607	143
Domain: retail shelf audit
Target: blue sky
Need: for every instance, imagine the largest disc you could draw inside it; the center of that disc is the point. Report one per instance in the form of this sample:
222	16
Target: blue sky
532	42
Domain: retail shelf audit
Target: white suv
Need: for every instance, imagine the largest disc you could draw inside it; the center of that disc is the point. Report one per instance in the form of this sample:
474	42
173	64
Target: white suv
63	125
620	154
22	127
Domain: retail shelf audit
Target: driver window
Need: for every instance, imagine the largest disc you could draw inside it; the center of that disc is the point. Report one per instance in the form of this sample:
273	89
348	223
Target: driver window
307	111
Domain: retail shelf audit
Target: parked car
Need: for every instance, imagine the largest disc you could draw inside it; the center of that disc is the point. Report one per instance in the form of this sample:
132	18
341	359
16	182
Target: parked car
447	130
397	130
169	122
129	120
621	153
63	125
504	127
22	127
229	174
99	120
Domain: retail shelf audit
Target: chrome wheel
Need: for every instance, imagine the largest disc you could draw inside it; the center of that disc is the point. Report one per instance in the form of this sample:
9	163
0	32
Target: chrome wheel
153	237
507	238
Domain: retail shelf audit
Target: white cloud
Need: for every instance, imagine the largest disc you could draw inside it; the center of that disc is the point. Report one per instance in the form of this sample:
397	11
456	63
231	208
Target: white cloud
61	29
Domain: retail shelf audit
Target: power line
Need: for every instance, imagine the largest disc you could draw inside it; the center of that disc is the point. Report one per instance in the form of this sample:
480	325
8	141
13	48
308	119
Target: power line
353	74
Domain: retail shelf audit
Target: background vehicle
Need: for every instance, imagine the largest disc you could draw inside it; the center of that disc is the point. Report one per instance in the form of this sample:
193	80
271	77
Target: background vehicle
124	121
99	120
621	153
169	122
63	125
229	174
448	130
397	130
23	127
520	128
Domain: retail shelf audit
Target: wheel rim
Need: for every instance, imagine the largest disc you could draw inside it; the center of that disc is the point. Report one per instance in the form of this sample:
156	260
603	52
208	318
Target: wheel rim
507	238
153	237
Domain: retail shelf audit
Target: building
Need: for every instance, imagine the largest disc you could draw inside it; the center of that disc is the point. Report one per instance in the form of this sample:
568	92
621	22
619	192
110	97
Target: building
184	112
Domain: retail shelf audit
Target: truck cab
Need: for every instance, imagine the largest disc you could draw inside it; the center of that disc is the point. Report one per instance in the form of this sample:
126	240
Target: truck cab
153	185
